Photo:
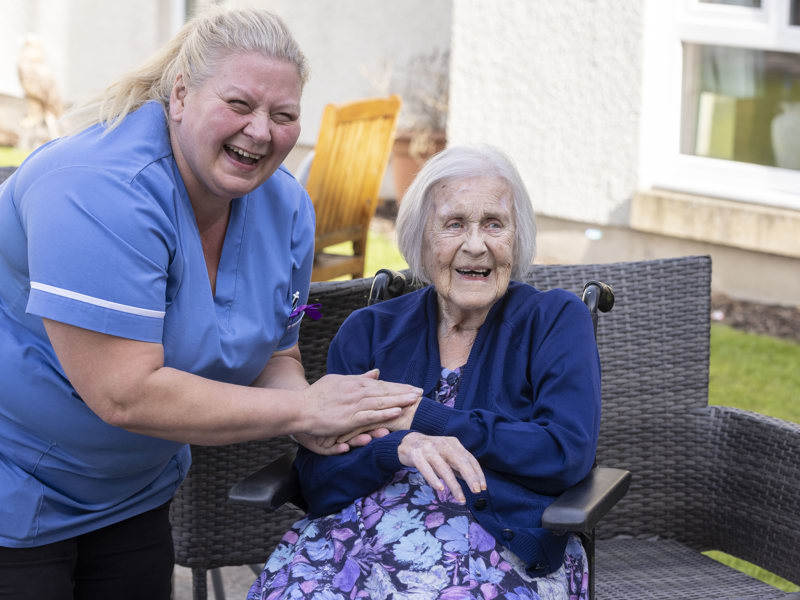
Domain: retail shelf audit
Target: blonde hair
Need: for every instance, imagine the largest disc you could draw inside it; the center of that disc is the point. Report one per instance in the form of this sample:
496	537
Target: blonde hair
455	163
192	52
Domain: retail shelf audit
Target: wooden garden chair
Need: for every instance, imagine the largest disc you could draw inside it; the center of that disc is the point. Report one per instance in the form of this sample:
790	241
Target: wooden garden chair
344	180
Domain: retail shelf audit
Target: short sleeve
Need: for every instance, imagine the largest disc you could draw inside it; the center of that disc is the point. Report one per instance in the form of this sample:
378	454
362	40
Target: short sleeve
302	261
99	251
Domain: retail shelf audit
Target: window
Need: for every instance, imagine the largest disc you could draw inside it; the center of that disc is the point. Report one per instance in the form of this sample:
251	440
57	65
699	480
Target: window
741	104
722	98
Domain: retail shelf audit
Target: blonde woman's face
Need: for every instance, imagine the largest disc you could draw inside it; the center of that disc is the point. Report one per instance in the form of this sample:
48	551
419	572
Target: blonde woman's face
468	247
230	133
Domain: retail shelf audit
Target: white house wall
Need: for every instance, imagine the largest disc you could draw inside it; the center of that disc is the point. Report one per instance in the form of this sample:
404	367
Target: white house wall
558	86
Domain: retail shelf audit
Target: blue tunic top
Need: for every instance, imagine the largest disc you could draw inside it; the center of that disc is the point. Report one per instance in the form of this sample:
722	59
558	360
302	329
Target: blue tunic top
97	231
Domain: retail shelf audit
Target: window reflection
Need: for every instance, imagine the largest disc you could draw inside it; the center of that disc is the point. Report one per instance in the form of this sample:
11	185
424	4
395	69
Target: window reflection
742	105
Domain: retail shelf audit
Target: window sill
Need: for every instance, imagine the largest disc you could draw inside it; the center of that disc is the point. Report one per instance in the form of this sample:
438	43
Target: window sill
738	224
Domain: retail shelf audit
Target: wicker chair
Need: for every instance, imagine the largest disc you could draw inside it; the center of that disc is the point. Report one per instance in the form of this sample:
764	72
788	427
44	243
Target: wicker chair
704	477
5	172
578	510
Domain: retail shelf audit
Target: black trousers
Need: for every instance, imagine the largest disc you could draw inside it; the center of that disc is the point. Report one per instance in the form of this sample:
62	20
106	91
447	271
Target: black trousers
133	559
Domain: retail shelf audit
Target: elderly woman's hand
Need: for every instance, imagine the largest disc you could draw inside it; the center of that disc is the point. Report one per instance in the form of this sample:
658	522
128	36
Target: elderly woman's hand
333	445
440	459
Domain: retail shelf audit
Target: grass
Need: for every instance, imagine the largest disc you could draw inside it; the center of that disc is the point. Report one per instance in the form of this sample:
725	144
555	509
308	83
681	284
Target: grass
755	372
382	253
753	571
11	157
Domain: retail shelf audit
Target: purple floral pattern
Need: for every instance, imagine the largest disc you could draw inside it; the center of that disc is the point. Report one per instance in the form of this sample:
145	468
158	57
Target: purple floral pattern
407	540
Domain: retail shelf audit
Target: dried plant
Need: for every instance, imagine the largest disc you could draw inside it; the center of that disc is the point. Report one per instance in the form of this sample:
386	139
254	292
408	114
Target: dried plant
425	88
423	83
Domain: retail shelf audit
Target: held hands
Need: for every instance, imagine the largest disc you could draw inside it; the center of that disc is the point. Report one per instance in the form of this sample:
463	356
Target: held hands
330	445
441	459
342	408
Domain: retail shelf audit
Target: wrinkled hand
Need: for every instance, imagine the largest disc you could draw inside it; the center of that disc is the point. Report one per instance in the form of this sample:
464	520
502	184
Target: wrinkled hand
331	445
344	406
404	420
321	445
440	459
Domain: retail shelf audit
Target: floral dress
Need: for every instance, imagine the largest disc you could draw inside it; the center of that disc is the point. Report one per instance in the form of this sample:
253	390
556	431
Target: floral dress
408	541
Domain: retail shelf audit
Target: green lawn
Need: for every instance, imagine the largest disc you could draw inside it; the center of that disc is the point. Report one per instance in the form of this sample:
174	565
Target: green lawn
755	372
382	254
11	157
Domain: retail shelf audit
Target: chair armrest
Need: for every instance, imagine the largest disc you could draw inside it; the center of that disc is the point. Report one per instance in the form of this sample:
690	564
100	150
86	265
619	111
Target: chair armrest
753	483
578	509
581	507
270	487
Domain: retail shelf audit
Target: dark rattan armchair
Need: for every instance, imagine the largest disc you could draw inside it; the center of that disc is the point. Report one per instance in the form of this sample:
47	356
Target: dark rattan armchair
703	477
578	510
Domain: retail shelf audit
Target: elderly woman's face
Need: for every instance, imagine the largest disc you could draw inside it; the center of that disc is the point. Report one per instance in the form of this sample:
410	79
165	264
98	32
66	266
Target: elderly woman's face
233	131
468	249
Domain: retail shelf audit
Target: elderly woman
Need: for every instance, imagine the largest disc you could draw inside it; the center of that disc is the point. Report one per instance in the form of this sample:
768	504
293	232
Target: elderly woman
449	503
153	272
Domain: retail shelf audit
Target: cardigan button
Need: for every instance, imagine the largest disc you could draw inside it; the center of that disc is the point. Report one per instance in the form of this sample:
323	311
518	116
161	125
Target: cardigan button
480	504
507	534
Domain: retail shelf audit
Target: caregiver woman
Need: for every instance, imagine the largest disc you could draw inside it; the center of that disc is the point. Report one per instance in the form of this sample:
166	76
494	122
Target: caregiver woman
153	271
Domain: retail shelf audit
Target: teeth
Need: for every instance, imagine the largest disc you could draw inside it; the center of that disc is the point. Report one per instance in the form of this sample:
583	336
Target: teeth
244	153
474	273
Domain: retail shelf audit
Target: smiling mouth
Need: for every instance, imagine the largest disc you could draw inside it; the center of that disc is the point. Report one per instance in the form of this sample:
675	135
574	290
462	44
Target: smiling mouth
242	156
474	273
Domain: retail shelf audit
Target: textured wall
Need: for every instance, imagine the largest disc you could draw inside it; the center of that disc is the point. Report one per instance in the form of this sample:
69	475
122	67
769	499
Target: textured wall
88	43
558	86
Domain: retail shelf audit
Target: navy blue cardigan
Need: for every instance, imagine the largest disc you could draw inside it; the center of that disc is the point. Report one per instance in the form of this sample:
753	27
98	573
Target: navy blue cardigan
528	408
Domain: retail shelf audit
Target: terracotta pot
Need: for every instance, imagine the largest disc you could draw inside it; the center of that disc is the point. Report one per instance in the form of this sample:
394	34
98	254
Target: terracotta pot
410	151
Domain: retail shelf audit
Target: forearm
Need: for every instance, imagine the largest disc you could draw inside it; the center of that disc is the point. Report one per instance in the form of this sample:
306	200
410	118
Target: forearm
329	483
283	371
180	406
127	385
541	454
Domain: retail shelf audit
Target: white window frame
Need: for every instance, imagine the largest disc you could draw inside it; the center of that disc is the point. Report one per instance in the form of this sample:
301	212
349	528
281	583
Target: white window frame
668	24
